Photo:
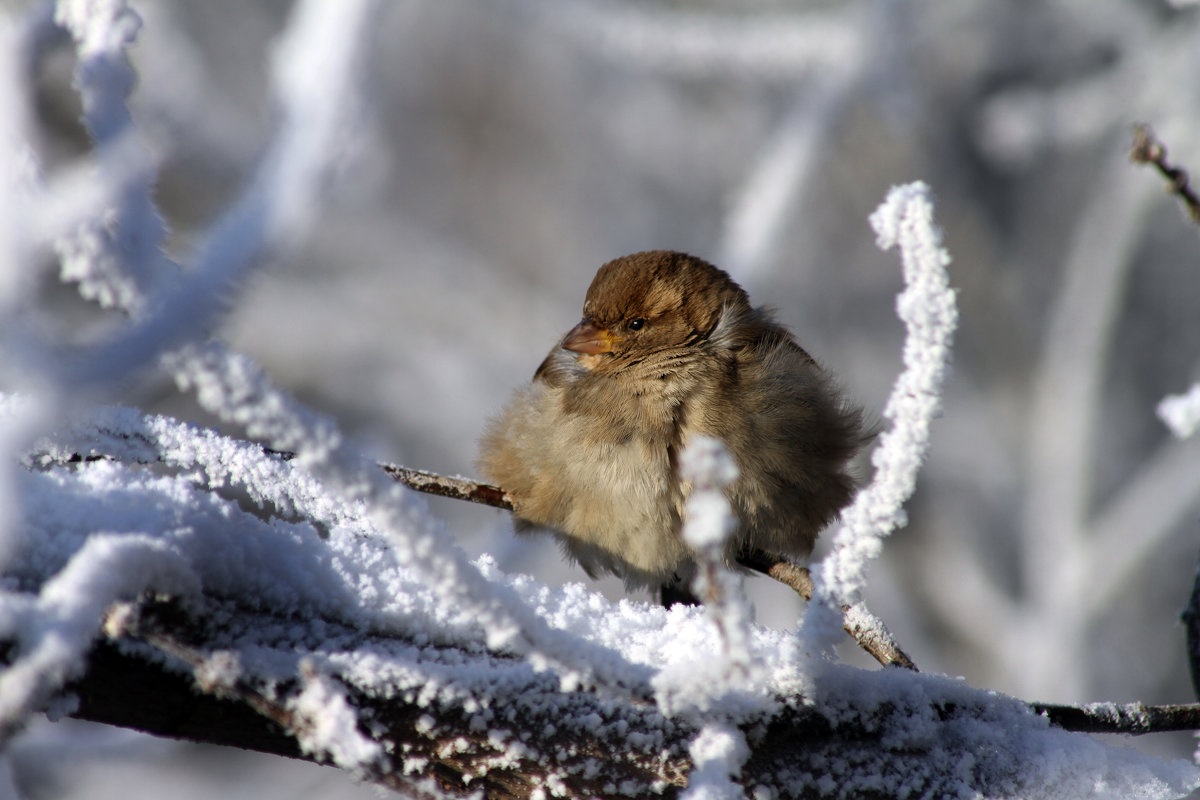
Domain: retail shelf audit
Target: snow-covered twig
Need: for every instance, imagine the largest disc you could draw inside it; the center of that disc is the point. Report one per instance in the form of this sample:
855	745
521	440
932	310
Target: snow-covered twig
927	307
313	142
1181	412
117	258
326	724
279	201
718	751
708	523
54	633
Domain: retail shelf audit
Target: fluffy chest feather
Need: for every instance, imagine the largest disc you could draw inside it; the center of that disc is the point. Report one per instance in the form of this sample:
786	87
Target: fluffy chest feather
668	348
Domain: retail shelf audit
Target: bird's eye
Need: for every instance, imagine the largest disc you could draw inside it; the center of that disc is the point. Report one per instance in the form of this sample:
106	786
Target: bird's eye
637	324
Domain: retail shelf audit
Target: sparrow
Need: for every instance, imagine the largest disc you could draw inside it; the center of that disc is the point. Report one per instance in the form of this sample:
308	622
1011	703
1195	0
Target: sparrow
670	348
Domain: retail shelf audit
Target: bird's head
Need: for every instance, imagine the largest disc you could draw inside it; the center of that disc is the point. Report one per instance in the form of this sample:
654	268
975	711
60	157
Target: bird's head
651	302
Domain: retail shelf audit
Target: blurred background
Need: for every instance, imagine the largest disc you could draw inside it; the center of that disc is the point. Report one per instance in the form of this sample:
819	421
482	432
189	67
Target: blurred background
514	146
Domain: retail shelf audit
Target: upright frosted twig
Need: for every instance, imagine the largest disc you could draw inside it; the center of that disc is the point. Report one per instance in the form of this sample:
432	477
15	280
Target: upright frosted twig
117	259
928	310
708	523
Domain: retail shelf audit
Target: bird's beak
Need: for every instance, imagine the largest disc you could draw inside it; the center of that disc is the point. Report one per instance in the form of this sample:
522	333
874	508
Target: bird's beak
589	338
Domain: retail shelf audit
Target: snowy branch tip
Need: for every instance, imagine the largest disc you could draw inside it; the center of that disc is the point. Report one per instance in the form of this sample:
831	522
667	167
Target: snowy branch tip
927	307
1181	412
707	465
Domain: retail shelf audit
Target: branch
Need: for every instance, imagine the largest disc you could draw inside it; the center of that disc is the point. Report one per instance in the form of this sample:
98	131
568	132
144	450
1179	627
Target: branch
1127	718
455	488
149	676
153	671
1147	149
866	629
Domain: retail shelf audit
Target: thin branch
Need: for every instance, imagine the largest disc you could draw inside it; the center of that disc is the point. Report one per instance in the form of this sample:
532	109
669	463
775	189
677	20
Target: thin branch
1127	718
455	488
866	629
1147	149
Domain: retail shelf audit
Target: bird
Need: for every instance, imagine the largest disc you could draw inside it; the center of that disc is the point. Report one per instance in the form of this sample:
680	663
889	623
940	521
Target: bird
670	348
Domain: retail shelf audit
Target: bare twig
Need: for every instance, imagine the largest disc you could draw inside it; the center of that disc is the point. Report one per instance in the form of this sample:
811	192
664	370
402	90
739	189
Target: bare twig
1129	718
865	628
455	488
1147	149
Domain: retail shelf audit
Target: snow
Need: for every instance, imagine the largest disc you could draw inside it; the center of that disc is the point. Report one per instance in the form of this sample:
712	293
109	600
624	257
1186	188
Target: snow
115	258
718	751
927	307
328	724
318	569
321	563
54	630
707	469
1181	412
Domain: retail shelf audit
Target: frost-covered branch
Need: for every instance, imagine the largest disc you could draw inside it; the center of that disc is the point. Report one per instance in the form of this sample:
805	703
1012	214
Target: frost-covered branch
395	667
707	468
308	606
51	633
319	56
464	720
927	308
117	257
119	434
278	202
864	627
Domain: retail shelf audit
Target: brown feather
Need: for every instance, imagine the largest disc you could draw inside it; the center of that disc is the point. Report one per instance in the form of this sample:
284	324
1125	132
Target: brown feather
588	450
